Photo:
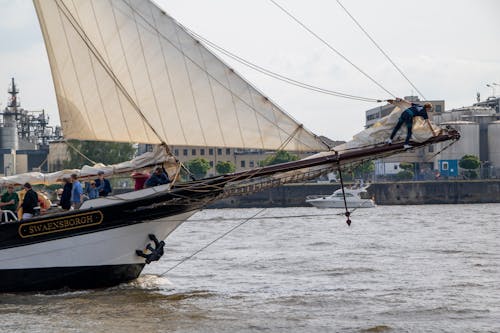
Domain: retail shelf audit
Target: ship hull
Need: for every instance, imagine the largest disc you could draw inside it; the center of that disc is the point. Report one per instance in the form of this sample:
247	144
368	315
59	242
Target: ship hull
94	260
93	247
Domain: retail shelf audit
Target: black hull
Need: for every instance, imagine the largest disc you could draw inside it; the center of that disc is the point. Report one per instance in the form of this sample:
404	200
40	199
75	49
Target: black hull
39	279
15	237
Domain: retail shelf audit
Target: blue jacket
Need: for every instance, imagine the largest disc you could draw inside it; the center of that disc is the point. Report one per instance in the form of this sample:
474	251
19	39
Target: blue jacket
156	180
76	191
417	110
104	188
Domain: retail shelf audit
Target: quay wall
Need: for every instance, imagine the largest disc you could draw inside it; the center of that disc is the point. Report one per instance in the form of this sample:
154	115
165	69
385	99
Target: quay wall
394	193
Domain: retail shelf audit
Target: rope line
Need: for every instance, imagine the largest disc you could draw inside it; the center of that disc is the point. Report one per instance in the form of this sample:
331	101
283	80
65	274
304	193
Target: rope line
380	49
86	40
79	152
212	242
277	75
330	46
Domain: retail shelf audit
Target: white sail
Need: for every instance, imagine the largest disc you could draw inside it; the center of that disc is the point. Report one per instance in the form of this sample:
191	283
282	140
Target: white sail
126	71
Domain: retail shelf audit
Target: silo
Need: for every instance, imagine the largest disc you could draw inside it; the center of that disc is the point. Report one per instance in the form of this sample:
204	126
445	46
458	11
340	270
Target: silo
467	145
494	143
8	133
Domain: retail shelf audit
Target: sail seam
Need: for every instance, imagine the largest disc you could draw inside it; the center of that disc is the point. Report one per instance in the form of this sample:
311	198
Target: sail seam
172	92
61	11
54	68
127	128
255	114
190	83
128	70
155	98
110	72
96	82
212	94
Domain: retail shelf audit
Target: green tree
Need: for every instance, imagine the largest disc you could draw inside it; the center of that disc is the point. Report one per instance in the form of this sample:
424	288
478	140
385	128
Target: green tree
405	175
406	172
100	152
406	166
223	167
280	156
470	163
198	167
364	170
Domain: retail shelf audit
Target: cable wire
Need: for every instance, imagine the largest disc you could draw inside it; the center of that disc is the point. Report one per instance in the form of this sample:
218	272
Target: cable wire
330	46
380	49
212	242
277	75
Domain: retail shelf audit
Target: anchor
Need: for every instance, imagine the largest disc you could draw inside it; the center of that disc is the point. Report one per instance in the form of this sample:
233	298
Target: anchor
156	252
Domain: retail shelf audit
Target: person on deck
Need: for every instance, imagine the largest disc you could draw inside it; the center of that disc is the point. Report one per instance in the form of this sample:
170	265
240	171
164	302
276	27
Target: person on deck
76	192
140	179
65	201
9	200
102	185
30	201
159	177
415	110
92	191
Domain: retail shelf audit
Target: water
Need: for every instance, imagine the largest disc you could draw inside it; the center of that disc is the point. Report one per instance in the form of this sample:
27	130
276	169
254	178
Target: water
396	269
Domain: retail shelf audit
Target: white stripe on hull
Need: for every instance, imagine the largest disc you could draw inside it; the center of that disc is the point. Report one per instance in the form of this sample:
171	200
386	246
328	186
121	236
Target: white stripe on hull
108	247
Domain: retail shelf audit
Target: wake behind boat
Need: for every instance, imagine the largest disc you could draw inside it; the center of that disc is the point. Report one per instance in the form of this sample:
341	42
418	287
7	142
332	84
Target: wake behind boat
354	198
125	71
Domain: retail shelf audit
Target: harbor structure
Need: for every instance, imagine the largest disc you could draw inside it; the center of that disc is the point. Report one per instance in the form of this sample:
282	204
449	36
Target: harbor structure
24	136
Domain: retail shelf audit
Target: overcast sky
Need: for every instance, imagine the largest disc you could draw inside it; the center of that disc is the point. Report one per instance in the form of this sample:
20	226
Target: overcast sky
449	49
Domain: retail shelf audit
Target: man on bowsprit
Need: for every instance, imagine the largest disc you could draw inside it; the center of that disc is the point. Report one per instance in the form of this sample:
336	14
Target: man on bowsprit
415	110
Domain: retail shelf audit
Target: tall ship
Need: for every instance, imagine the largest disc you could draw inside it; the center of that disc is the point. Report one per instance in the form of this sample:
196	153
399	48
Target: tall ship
125	71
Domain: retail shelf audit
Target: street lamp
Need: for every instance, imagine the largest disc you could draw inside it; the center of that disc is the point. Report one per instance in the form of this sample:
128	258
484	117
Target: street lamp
492	86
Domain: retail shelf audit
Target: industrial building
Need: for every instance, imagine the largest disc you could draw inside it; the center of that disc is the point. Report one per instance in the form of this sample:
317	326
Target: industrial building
24	137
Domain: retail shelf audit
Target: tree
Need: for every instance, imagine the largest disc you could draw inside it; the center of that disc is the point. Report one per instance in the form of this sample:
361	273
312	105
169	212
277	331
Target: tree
100	152
198	167
224	167
406	166
364	170
470	163
405	175
280	156
406	172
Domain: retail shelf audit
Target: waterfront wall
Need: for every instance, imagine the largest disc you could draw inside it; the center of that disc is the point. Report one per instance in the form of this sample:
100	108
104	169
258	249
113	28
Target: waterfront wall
396	193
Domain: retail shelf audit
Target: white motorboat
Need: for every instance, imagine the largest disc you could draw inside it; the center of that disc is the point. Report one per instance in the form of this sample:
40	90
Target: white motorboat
354	198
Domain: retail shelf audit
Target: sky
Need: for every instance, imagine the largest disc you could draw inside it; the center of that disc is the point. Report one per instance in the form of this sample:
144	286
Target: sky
449	49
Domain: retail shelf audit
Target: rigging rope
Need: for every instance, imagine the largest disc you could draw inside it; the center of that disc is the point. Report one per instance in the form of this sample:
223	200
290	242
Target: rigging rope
98	56
379	48
79	152
330	46
212	242
277	75
347	213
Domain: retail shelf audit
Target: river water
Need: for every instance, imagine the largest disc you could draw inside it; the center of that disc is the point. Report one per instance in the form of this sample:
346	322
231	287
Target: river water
396	269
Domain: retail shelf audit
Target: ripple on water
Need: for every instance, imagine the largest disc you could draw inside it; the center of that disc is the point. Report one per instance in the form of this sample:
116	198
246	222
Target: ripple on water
388	272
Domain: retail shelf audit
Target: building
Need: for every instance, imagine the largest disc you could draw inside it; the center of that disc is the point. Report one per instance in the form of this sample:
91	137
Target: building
375	114
24	137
